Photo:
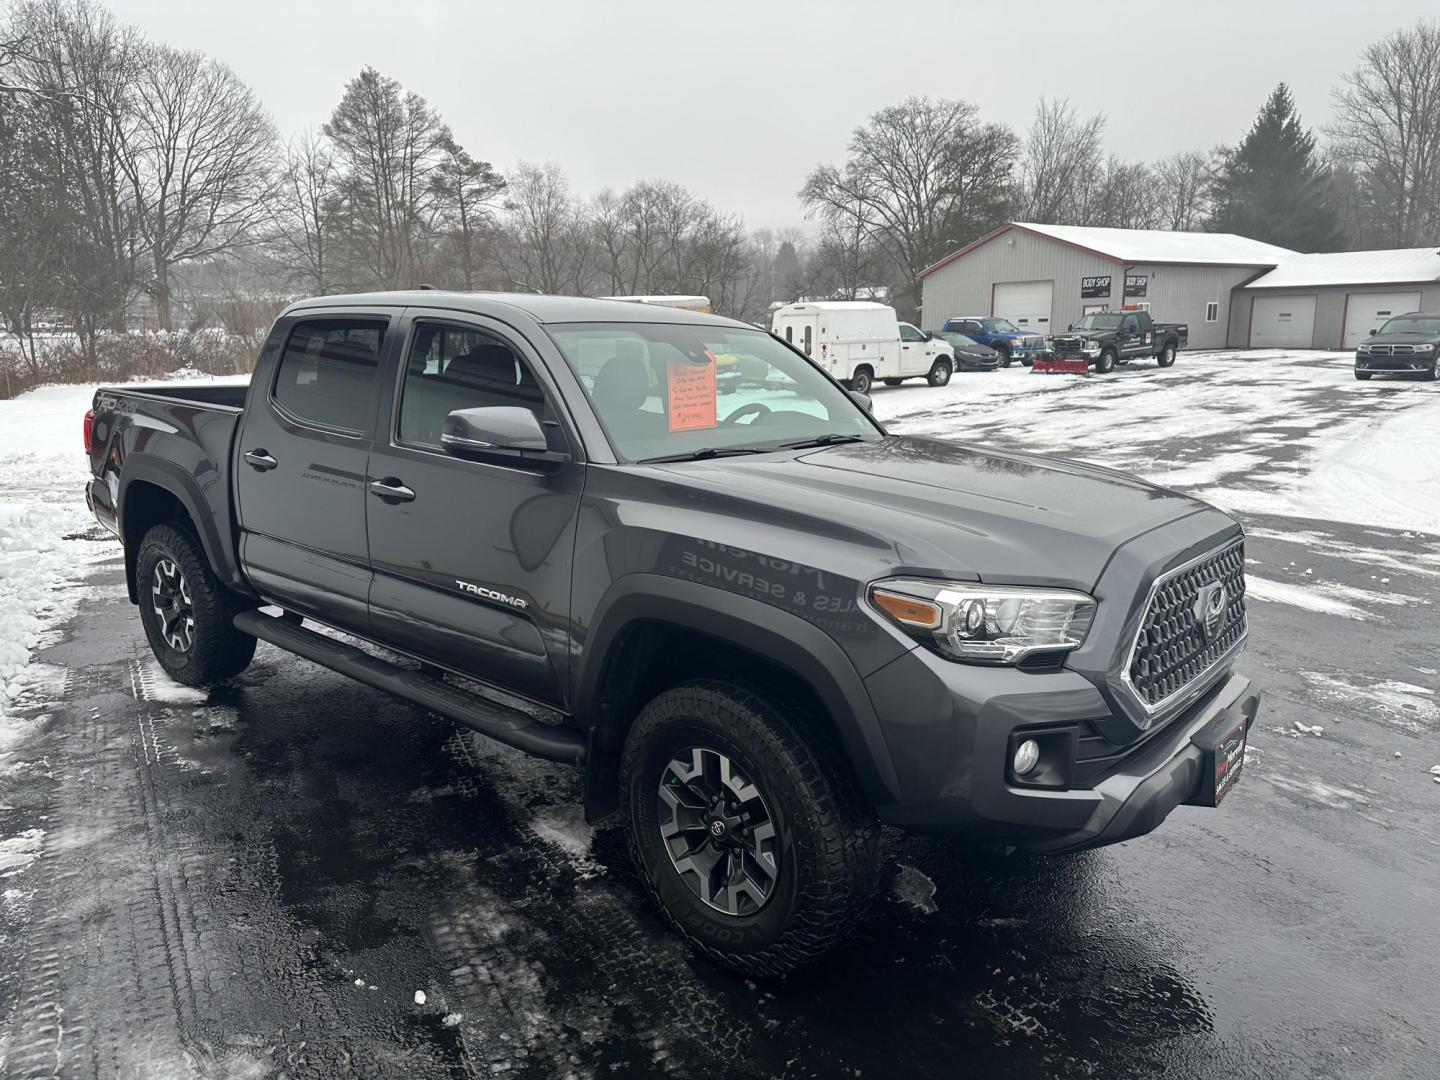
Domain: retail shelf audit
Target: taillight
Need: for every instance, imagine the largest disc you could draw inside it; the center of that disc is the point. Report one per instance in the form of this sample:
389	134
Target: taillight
89	431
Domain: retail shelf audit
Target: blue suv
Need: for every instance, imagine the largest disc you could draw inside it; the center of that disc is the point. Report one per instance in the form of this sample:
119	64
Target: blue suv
1001	335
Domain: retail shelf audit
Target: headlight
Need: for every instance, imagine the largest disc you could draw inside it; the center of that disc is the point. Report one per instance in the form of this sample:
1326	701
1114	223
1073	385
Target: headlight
1363	348
1425	346
985	624
1090	350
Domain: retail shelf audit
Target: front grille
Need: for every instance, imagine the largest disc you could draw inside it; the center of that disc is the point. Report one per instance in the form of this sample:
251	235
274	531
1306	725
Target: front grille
1067	347
1392	350
1176	644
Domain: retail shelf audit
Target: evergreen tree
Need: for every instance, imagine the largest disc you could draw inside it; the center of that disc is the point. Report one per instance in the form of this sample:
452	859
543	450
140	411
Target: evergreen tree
787	272
1272	188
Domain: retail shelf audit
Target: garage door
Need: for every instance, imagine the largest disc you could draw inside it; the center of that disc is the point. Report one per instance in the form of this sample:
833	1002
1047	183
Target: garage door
1285	322
1366	311
1025	303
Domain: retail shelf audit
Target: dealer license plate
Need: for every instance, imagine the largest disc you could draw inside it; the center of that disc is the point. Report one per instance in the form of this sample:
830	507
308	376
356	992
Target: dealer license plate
1223	744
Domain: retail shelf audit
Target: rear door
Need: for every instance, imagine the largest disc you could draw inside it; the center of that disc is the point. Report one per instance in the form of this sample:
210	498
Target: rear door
472	559
302	452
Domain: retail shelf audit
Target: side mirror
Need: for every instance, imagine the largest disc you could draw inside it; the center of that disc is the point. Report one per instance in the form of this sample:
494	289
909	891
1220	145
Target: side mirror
496	431
1373	332
929	335
863	400
1070	327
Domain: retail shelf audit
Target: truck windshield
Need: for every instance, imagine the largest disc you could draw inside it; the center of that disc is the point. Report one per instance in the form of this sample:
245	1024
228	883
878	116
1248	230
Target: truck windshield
1412	324
669	389
1099	322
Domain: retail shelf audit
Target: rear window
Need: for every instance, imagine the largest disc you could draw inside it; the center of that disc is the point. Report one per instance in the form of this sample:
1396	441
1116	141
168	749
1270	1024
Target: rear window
326	374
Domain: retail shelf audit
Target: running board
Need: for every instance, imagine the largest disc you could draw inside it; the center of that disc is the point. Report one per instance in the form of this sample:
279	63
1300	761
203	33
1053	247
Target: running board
501	722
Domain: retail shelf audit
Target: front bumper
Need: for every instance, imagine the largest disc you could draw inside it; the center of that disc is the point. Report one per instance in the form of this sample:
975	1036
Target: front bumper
950	728
1416	362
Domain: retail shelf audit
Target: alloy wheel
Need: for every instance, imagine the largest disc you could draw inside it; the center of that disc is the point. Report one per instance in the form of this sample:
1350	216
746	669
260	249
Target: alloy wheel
170	596
718	831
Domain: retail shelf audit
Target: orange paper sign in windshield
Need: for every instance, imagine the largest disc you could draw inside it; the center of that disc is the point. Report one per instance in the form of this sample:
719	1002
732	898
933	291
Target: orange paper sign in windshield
691	395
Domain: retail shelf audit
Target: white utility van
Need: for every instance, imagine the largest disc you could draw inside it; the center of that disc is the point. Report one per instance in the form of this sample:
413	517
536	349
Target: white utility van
859	341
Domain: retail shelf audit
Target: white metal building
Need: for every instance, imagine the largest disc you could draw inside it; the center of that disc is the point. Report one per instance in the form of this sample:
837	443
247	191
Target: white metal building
1044	277
1333	300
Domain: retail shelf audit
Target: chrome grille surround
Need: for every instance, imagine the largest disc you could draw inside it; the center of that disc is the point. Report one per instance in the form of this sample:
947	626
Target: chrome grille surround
1171	652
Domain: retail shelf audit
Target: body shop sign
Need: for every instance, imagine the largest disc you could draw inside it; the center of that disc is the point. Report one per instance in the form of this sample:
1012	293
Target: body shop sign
1095	288
1136	284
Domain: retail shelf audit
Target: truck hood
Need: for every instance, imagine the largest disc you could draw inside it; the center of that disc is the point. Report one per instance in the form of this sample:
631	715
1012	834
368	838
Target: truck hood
1086	335
1401	339
951	509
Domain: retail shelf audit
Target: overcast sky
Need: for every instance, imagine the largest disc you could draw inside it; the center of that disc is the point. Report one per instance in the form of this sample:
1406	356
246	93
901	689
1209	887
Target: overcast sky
739	100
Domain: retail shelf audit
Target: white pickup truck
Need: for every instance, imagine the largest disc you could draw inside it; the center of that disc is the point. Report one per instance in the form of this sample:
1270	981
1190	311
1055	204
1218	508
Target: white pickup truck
860	342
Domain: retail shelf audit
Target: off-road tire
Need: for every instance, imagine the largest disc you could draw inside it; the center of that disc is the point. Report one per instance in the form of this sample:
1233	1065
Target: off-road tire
862	381
1362	375
1166	357
893	382
217	651
939	372
1106	362
829	866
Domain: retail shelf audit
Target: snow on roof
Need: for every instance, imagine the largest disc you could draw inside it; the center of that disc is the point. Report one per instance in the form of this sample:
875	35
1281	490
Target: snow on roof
840	305
1140	246
1400	265
1162	246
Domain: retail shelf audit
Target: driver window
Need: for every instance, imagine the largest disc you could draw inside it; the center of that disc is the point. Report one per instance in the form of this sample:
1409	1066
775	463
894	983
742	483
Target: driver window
453	367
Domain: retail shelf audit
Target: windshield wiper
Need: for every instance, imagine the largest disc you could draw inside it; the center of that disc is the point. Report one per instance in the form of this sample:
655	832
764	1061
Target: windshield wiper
833	438
706	452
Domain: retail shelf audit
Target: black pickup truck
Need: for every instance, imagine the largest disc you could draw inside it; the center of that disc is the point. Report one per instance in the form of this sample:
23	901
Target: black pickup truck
763	625
1107	338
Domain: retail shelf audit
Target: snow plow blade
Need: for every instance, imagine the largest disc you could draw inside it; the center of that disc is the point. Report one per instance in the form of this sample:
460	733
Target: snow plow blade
1053	364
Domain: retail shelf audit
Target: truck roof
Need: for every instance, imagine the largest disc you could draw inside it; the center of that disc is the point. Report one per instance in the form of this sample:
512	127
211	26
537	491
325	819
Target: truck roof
543	308
835	305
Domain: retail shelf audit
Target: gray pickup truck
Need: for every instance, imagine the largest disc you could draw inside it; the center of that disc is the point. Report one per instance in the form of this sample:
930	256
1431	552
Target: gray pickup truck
762	625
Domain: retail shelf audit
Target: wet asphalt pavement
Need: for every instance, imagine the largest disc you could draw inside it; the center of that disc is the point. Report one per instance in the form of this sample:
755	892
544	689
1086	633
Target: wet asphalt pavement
256	882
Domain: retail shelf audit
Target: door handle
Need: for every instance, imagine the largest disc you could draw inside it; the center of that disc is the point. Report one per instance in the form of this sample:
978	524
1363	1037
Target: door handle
391	490
259	460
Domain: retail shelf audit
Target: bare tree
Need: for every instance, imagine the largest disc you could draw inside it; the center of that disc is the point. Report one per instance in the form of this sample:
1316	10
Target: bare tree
920	177
466	188
1122	195
78	65
542	218
1387	128
200	161
389	144
302	232
1182	183
1062	154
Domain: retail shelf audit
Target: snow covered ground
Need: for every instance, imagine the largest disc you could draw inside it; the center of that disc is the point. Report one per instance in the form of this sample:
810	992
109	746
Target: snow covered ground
1265	432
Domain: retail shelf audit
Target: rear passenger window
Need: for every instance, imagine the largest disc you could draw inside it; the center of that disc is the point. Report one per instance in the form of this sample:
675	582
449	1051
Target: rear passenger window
453	368
327	372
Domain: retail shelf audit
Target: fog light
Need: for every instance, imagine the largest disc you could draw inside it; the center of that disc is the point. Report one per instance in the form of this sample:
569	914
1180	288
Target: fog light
1027	756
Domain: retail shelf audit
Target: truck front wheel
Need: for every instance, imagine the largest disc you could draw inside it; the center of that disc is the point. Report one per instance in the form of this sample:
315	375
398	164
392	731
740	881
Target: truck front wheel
939	372
1167	356
1004	355
751	837
186	612
1106	363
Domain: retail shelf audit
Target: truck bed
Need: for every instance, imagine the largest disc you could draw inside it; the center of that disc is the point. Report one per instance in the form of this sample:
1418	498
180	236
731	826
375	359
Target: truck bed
222	395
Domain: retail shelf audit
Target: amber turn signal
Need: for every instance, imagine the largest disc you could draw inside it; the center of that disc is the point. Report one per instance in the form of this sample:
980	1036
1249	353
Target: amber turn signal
906	609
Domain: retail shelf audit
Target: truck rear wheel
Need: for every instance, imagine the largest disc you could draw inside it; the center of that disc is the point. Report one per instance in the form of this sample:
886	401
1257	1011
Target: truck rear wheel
1166	357
186	612
862	380
753	840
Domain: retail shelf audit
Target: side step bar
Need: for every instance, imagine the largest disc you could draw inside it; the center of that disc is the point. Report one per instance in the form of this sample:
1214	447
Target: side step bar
502	723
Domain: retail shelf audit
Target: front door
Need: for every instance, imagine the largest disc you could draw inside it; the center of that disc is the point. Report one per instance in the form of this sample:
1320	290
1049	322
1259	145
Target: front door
300	473
913	358
471	559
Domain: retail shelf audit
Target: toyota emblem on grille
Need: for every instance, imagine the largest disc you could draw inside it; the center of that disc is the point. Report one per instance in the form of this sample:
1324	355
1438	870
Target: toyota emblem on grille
1209	610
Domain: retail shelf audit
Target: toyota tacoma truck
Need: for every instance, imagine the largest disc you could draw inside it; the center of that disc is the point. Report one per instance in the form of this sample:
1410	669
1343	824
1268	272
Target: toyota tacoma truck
763	625
1106	338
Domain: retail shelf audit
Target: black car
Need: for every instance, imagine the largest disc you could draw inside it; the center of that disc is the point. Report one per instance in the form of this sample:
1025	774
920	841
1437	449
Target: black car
1405	343
763	627
970	355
